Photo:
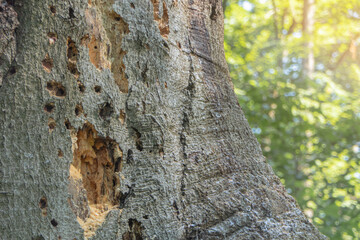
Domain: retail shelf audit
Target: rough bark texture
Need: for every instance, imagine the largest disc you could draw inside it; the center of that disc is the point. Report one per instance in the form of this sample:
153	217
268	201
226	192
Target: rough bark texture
119	121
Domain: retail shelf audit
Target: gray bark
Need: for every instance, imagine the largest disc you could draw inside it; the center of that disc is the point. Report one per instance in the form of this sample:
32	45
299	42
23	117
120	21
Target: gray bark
126	110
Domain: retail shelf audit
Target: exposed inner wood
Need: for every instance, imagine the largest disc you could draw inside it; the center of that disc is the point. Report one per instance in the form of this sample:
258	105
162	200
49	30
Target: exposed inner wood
94	182
162	20
47	63
107	29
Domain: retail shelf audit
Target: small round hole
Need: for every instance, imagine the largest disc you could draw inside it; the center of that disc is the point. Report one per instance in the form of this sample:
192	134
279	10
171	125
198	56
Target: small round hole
43	203
49	107
52	9
97	89
60	153
12	70
81	87
78	110
54	222
51	124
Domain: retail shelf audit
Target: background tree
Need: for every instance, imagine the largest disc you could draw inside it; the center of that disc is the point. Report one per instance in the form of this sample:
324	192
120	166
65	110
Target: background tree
118	120
304	112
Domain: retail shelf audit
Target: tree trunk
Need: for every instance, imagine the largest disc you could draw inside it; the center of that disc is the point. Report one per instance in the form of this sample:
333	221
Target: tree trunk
119	121
308	31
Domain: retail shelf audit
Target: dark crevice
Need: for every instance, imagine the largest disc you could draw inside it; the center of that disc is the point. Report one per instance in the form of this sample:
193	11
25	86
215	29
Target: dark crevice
176	210
130	157
138	142
135	230
125	196
182	187
213	14
71	13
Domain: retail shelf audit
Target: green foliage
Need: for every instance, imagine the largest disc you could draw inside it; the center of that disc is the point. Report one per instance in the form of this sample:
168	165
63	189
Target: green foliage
309	127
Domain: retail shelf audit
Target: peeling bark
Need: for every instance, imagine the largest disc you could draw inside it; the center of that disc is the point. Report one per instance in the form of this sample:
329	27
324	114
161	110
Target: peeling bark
125	109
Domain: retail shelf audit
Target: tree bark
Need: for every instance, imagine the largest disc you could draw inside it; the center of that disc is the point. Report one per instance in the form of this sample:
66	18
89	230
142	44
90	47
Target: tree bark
119	121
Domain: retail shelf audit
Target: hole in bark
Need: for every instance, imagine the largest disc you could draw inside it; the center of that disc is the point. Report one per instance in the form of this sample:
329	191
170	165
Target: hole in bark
213	14
47	63
51	124
12	70
132	5
54	222
106	110
97	89
81	86
79	110
52	37
135	231
92	186
138	142
71	13
49	107
73	69
56	89
52	10
122	116
43	203
97	51
68	124
146	216
72	54
60	153
43	206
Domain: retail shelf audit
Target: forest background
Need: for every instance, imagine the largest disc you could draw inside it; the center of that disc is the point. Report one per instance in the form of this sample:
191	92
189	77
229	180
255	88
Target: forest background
295	65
